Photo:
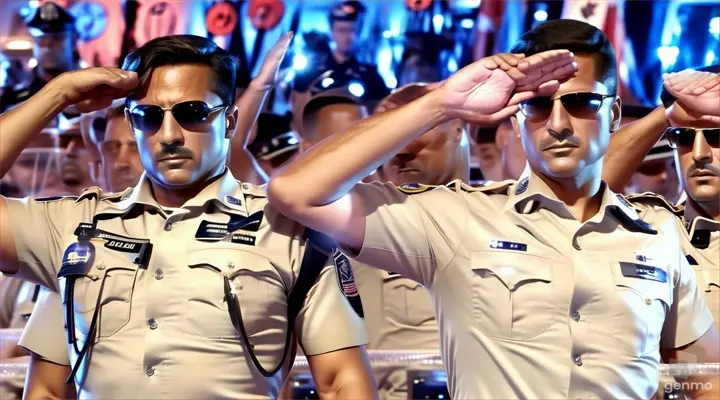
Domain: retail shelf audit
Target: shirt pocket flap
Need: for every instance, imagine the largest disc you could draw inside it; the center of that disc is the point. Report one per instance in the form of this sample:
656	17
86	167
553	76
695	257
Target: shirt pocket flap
513	269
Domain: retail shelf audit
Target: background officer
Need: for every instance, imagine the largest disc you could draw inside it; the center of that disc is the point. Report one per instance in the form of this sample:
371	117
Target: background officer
54	46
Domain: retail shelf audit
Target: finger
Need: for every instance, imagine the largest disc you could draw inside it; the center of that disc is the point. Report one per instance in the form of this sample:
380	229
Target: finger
488	63
711	118
510	59
711	82
499	116
683	78
555	70
547	57
553	75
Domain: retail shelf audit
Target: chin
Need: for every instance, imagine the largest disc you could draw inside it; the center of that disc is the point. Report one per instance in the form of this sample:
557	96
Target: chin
175	178
561	167
705	193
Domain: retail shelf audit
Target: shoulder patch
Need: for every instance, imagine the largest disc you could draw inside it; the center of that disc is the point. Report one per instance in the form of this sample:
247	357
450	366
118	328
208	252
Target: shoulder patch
346	280
652	199
414	188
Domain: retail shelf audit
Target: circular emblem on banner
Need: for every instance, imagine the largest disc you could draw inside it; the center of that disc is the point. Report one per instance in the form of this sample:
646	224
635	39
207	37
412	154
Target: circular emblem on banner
221	19
418	5
266	14
160	20
91	20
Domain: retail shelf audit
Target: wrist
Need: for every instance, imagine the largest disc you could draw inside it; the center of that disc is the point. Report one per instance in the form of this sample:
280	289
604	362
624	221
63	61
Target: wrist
438	108
54	96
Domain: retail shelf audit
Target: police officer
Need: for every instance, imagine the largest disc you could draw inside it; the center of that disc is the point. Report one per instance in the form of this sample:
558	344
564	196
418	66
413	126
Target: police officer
550	287
276	143
189	267
54	40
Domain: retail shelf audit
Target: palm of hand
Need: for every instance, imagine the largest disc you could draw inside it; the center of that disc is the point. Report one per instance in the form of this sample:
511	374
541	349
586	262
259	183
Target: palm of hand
707	103
482	91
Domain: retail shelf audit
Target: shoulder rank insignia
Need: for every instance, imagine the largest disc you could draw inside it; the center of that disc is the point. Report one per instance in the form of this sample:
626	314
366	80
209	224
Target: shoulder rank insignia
486	187
414	188
652	199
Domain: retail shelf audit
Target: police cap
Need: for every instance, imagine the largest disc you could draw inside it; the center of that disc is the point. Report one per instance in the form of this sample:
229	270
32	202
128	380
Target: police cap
50	18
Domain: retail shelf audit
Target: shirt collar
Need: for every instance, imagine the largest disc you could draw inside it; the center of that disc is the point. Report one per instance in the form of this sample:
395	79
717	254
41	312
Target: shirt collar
531	192
224	192
695	222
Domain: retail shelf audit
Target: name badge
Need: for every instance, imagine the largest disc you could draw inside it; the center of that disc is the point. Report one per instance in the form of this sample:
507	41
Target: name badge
242	238
211	230
505	245
77	259
633	270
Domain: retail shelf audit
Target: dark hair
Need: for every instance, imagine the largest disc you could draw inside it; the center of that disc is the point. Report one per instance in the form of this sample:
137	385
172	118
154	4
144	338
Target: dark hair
186	49
578	37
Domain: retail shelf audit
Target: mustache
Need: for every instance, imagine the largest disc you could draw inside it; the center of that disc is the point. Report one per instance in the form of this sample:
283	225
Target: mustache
171	150
566	136
713	169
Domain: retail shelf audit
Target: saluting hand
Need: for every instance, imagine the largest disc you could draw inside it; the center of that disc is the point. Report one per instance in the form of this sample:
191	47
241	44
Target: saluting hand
94	88
697	96
489	90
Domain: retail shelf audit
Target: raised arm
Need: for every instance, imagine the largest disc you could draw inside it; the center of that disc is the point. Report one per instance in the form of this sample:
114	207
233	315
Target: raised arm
696	93
313	188
88	89
241	162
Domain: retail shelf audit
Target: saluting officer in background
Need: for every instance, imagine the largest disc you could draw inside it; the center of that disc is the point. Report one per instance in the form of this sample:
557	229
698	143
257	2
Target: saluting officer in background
190	267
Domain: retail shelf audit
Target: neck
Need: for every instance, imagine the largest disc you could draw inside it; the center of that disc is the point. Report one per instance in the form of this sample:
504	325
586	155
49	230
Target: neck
580	193
176	197
707	209
340	57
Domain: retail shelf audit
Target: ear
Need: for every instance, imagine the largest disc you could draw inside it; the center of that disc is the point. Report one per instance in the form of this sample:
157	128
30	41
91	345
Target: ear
231	117
615	114
515	125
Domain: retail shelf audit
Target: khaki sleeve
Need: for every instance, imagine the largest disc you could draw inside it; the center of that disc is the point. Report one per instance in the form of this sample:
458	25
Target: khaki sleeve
38	228
413	235
44	333
327	321
689	316
9	288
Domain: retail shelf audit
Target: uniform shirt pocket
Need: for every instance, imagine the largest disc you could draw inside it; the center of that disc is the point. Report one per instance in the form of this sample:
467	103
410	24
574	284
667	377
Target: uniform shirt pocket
640	308
513	296
406	302
260	293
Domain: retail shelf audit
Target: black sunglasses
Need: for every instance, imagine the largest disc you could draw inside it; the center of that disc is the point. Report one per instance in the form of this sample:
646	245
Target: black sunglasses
191	115
579	105
685	137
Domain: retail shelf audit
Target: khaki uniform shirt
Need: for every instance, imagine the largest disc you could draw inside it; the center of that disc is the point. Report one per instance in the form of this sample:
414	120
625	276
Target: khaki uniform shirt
399	315
17	299
533	303
164	329
44	333
701	245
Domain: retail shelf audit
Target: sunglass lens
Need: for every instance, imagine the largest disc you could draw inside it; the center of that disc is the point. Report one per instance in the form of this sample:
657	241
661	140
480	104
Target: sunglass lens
712	136
146	118
680	137
192	115
537	108
582	105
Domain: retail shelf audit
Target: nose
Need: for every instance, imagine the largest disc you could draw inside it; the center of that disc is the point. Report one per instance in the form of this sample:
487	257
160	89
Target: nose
122	162
559	120
702	152
170	132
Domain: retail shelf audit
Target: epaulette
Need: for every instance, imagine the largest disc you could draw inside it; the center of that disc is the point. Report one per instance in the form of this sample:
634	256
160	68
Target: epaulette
488	187
652	199
54	198
99	194
254	190
415	188
89	193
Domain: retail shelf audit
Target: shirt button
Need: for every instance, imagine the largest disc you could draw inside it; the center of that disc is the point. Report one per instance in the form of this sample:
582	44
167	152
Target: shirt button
576	316
150	371
578	361
245	186
169	226
648	301
158	274
152	323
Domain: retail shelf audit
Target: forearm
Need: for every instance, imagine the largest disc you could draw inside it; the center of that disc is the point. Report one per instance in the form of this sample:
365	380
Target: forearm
22	124
352	388
46	380
328	170
629	146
